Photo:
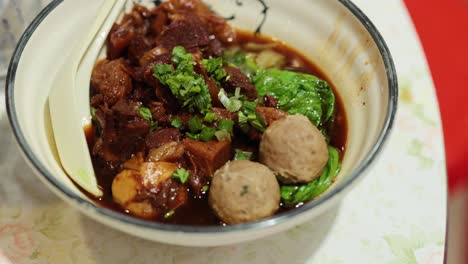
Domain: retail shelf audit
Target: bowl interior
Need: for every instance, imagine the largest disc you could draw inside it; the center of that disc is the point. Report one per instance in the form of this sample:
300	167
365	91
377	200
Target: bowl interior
327	32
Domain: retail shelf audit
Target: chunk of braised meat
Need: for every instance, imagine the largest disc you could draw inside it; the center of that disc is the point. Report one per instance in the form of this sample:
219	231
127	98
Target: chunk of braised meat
112	80
186	30
123	132
157	55
121	35
165	96
270	114
162	136
171	152
270	101
142	93
138	46
236	79
210	156
223	113
216	24
159	21
169	196
160	114
118	40
215	49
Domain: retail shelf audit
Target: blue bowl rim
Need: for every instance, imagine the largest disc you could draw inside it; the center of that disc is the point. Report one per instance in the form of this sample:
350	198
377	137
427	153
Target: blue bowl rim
277	219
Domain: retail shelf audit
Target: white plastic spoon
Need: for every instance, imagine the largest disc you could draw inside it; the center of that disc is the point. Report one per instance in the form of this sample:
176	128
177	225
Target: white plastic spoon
68	113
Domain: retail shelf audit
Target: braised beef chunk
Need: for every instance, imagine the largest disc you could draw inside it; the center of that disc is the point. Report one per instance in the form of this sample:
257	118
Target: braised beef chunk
215	49
169	152
165	96
157	55
270	101
270	114
210	156
138	46
236	79
159	21
160	114
223	113
187	31
216	24
111	80
118	40
123	132
162	136
171	195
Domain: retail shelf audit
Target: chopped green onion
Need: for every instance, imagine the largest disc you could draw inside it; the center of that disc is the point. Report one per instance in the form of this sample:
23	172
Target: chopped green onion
222	135
207	133
154	125
169	214
177	123
258	124
193	136
249	106
243	155
210	117
205	188
187	86
237	93
93	112
225	125
145	113
231	104
195	124
181	174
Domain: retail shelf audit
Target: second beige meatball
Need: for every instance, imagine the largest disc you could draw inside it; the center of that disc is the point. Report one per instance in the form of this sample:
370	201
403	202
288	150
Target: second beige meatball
294	149
244	191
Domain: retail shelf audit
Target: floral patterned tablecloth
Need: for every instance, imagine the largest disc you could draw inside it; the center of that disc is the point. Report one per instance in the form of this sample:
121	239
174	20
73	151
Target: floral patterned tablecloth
397	214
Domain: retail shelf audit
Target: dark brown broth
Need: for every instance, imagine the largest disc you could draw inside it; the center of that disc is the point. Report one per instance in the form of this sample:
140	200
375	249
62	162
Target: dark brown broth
197	211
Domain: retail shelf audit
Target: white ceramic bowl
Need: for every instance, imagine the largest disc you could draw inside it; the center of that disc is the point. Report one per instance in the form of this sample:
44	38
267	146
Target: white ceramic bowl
336	35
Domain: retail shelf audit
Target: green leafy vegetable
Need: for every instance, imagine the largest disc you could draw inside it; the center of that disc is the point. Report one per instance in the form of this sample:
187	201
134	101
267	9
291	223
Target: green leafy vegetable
205	188
147	115
243	155
181	175
177	123
232	104
294	194
187	86
298	93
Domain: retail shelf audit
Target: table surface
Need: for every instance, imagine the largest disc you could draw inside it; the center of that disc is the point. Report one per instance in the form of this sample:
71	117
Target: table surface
397	214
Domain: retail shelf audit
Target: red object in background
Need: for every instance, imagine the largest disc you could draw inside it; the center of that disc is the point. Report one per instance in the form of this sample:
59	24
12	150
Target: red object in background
442	26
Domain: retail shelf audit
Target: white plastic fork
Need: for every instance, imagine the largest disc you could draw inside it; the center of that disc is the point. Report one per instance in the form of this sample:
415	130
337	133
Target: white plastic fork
69	99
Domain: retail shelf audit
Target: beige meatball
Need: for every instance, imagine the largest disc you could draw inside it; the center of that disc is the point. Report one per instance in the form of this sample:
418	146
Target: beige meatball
294	149
244	191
